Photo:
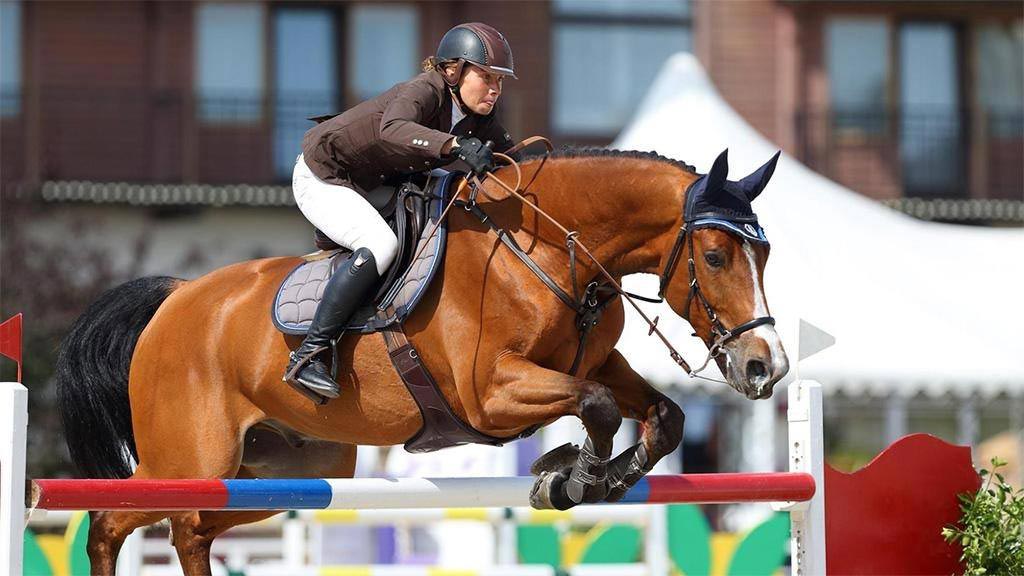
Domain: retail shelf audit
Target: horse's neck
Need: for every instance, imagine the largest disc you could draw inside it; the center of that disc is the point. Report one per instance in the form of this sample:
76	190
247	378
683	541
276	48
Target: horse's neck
626	210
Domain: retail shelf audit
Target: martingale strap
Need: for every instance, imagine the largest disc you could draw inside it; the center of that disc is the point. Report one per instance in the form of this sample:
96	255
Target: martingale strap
510	241
588	307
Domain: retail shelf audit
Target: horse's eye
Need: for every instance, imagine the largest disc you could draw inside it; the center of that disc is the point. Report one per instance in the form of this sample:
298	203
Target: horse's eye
714	259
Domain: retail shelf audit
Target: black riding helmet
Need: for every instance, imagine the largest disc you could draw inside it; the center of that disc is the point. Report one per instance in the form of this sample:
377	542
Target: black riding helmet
478	44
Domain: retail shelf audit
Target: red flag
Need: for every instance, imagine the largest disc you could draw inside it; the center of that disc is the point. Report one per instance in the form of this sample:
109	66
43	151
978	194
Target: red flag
10	340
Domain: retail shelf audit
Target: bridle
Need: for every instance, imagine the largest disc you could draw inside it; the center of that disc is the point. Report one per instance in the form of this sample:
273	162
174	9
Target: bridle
722	334
598	294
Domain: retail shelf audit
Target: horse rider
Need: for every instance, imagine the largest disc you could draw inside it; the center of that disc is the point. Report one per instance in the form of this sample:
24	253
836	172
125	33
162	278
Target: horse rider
445	113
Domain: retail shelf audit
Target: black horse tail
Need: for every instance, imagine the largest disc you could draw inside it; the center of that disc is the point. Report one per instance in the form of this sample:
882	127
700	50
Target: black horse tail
92	376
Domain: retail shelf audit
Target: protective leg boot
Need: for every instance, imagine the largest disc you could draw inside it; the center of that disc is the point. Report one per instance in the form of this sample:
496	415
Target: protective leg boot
344	293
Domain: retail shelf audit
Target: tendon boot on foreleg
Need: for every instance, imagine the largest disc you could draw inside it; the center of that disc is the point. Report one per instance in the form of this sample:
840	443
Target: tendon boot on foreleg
626	470
584	482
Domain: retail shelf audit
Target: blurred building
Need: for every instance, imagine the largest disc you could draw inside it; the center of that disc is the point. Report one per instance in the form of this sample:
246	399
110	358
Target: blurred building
898	100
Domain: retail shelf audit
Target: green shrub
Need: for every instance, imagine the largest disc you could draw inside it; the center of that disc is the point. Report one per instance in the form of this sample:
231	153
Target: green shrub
991	530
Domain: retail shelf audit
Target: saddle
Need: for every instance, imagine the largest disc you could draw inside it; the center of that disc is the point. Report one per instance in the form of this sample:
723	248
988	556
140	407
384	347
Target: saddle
411	212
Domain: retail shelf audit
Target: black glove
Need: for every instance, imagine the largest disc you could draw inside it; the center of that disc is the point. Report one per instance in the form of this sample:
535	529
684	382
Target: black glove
476	154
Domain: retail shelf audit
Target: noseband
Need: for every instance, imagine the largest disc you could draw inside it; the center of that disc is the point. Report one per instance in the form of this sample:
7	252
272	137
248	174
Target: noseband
722	334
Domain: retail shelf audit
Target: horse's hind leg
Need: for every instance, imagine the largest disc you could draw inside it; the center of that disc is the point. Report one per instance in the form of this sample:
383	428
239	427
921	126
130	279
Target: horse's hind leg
107	532
193	533
523	393
164	444
662	419
191	441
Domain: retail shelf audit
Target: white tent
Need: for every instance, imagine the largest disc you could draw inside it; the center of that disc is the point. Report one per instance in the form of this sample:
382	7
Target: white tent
914	306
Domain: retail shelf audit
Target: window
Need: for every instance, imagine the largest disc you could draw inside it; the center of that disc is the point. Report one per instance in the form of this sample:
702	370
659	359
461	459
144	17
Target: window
10	58
858	70
383	45
1000	69
305	78
229	62
931	143
607	53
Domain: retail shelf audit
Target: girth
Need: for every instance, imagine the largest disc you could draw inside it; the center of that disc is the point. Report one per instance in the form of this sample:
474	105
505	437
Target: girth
442	428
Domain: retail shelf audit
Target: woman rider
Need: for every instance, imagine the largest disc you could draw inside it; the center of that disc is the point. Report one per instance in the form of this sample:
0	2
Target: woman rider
445	113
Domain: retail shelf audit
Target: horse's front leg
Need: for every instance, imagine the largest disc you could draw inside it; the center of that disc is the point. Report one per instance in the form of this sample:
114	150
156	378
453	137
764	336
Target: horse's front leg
662	419
523	393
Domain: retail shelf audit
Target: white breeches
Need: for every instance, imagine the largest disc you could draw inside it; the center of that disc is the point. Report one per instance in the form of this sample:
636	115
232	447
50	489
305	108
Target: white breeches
343	215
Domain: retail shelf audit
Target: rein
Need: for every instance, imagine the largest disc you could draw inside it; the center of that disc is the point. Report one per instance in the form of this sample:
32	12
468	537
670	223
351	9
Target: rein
589	306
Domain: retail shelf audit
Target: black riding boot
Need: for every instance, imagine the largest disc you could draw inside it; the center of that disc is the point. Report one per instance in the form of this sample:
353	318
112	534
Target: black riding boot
345	291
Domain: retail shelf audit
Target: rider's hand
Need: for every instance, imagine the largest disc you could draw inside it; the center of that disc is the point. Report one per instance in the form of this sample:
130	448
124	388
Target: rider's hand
478	156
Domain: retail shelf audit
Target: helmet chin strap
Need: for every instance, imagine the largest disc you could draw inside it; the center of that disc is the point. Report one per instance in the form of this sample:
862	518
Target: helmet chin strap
457	98
454	88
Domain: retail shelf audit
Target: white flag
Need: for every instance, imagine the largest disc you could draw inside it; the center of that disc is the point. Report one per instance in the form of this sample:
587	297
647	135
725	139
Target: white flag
813	339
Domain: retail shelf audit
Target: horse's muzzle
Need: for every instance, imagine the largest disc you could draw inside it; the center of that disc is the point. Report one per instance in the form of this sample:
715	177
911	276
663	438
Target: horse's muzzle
755	362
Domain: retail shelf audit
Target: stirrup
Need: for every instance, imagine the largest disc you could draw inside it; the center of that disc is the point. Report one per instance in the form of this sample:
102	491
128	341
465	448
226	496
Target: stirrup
309	394
300	363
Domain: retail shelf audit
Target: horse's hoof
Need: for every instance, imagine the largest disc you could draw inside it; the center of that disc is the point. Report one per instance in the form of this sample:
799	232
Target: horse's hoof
539	499
547	493
556	459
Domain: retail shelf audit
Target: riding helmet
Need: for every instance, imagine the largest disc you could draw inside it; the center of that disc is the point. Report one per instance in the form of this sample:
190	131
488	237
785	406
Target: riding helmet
478	44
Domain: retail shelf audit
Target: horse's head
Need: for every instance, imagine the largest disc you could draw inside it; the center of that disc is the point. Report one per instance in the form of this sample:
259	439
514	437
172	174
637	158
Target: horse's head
715	280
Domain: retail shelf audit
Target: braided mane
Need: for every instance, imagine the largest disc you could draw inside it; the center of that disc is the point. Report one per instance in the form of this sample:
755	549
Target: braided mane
595	152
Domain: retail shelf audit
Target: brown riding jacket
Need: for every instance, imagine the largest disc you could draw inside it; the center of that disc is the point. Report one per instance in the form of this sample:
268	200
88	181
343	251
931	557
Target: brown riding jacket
399	132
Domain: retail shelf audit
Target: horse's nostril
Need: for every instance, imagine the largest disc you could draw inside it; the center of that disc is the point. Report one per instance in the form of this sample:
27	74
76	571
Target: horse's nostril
757	371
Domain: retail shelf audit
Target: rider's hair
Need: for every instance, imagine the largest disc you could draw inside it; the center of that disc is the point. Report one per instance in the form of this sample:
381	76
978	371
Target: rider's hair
433	63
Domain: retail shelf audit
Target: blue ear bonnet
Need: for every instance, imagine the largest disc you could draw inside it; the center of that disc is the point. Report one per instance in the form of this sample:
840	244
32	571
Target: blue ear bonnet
724	211
712	201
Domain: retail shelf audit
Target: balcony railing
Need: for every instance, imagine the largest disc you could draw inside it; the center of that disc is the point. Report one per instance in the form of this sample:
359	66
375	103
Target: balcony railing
921	152
139	136
150	137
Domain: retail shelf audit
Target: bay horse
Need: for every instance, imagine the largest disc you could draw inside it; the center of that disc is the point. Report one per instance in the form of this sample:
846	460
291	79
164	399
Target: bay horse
185	376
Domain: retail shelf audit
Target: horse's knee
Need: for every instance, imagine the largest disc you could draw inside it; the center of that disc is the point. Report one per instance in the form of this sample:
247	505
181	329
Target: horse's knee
668	426
599	412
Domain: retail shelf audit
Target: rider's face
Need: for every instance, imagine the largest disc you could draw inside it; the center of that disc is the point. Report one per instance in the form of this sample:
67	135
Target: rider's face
480	89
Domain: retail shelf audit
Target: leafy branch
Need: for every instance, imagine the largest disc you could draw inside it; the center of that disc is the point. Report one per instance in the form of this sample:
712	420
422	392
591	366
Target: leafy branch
991	530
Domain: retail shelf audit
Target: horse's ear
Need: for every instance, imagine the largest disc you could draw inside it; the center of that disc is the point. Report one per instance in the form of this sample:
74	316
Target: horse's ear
753	185
719	172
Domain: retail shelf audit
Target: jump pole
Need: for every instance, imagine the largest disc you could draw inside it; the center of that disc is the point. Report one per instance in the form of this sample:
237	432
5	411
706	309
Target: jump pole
382	493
